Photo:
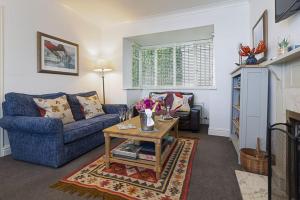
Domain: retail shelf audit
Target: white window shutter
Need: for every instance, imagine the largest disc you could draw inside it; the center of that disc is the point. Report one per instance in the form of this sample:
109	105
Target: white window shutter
187	65
148	67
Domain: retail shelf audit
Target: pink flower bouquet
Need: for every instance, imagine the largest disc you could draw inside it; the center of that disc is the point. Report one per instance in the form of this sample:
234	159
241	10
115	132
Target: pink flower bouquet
148	103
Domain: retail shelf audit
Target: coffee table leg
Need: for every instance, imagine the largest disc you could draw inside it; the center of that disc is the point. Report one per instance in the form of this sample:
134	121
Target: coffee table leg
158	159
176	130
107	150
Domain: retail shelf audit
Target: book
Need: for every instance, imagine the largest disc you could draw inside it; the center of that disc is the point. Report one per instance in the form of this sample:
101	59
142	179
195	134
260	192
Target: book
152	157
123	156
149	147
127	149
146	157
143	150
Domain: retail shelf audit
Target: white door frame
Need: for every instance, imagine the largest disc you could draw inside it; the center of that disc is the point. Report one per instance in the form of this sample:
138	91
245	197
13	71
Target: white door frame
2	152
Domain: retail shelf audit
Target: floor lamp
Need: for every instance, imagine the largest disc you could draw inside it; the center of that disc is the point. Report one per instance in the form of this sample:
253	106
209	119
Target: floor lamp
102	71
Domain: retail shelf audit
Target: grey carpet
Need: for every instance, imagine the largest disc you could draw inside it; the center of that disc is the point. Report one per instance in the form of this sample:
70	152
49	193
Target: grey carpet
213	175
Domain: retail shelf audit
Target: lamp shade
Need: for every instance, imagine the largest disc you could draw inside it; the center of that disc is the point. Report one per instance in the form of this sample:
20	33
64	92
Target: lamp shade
102	70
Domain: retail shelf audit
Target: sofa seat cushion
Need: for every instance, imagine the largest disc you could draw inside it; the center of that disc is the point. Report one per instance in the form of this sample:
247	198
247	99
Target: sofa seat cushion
183	115
86	127
82	128
109	120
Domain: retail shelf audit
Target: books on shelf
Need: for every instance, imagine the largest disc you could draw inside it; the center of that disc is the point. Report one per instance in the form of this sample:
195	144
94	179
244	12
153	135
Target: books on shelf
145	150
127	150
123	156
147	157
152	157
149	147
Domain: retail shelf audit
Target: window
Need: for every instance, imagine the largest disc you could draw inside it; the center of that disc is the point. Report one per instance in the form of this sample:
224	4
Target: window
187	65
135	66
164	66
148	57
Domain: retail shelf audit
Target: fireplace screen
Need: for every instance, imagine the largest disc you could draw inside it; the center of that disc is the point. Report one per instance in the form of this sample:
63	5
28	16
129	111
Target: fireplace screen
284	165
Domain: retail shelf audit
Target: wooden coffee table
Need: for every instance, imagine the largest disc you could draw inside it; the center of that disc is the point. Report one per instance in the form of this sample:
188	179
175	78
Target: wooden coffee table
162	129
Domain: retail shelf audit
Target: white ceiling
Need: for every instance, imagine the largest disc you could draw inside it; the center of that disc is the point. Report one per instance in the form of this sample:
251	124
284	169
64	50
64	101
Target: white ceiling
178	36
107	12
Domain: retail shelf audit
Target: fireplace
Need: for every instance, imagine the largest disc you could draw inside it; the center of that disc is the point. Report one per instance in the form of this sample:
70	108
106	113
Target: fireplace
284	165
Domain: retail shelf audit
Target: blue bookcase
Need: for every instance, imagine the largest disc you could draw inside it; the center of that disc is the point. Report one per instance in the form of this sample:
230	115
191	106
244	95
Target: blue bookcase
249	109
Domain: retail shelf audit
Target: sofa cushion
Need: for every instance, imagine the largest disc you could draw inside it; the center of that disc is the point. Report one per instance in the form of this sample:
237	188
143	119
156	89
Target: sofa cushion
85	127
75	105
58	108
181	102
170	97
82	128
18	104
109	120
158	96
91	106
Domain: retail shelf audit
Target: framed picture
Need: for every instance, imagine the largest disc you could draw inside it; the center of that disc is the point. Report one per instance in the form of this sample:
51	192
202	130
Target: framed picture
260	33
57	56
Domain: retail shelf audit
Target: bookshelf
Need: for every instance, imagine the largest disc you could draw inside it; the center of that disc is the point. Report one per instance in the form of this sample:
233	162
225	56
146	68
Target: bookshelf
142	162
249	106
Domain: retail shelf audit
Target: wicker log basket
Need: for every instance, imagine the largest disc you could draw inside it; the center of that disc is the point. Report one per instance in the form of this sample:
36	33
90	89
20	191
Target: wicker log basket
254	160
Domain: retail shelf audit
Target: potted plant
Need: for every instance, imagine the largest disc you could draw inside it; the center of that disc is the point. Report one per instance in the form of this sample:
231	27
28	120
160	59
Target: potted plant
147	109
250	53
283	46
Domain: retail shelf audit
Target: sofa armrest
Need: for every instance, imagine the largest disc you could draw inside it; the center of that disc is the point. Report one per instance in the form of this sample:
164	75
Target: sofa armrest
113	108
32	124
195	118
196	107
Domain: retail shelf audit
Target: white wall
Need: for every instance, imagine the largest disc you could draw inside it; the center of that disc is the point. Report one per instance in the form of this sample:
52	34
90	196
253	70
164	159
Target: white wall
287	28
22	19
231	25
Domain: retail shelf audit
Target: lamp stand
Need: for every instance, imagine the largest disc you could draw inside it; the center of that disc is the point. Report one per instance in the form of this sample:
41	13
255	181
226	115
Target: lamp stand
103	86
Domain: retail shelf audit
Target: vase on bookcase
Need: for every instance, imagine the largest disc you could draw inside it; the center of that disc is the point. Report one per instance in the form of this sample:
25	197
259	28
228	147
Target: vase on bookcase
251	60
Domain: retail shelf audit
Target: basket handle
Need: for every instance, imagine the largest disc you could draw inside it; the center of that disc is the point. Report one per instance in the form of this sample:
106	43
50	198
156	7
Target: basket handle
258	150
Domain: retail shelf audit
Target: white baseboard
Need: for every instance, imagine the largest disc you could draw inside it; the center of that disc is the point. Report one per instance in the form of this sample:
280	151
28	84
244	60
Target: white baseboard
219	132
5	151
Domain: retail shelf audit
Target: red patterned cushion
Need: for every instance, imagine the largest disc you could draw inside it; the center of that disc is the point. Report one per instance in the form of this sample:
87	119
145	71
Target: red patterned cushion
42	112
181	102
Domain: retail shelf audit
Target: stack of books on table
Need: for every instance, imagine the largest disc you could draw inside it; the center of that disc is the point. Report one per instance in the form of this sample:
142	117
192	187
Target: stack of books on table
126	150
145	150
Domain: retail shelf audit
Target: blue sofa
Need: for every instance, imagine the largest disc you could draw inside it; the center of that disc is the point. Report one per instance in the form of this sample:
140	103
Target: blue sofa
46	141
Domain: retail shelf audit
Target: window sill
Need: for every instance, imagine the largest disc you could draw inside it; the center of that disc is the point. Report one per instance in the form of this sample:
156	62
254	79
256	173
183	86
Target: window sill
173	88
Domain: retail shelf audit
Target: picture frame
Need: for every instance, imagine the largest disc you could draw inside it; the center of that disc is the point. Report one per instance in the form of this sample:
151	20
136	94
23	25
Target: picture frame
57	56
259	33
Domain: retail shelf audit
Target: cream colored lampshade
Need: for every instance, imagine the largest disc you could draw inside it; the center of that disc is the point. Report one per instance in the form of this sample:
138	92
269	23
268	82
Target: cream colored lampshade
102	70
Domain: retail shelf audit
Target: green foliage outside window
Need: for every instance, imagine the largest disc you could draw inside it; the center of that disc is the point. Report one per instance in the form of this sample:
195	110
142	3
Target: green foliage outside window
165	66
135	66
191	66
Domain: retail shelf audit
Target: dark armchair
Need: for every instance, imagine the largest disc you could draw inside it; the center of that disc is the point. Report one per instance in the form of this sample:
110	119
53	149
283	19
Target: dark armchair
187	120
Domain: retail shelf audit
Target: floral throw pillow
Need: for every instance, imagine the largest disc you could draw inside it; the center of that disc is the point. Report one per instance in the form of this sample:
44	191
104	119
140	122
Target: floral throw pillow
158	97
91	106
181	102
55	108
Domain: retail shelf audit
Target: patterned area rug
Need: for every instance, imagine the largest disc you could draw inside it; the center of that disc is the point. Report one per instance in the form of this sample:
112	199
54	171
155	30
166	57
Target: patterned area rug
252	186
128	182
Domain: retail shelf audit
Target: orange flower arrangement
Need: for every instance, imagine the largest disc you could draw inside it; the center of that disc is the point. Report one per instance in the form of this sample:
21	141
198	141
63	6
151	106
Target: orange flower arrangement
246	51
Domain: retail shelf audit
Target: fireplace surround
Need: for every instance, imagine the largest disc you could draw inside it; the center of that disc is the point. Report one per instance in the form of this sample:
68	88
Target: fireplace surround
283	143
